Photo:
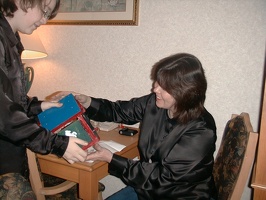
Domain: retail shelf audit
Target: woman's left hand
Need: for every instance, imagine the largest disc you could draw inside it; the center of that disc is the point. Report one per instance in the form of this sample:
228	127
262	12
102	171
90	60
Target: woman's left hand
101	154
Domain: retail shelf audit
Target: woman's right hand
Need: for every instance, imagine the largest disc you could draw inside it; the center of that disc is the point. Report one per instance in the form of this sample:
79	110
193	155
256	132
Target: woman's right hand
83	99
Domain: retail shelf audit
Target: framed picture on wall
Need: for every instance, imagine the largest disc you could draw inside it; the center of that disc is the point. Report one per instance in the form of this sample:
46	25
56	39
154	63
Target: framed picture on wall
97	12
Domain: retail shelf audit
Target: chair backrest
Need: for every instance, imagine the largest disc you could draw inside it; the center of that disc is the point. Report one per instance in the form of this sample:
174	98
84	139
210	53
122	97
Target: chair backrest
37	183
235	157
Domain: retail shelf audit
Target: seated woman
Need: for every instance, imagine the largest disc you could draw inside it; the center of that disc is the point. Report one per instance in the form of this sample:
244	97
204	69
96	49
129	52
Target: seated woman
177	134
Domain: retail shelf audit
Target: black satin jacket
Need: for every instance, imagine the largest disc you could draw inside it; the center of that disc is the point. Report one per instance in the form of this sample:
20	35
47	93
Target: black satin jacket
176	160
18	127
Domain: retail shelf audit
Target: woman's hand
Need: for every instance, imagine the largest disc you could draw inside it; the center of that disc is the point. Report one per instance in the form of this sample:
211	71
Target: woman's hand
73	152
84	100
101	154
45	105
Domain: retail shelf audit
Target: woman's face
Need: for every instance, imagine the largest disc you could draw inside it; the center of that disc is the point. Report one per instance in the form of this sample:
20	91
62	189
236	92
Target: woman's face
27	22
163	98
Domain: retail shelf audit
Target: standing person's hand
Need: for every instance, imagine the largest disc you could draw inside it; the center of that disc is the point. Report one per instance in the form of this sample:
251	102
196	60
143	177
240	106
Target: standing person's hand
101	154
45	105
73	152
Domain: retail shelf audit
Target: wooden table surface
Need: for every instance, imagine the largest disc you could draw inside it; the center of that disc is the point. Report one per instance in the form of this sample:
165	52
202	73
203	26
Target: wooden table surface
86	174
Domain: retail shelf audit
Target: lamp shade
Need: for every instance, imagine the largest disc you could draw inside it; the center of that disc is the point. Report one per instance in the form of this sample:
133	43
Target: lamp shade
33	46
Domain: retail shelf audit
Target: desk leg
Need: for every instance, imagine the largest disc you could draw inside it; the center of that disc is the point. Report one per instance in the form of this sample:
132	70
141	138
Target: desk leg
88	185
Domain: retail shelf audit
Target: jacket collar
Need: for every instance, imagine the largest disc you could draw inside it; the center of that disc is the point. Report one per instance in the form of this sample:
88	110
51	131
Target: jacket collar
13	38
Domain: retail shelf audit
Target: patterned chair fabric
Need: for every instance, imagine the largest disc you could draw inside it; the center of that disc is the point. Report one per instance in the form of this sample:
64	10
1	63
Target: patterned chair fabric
229	159
71	194
15	186
48	181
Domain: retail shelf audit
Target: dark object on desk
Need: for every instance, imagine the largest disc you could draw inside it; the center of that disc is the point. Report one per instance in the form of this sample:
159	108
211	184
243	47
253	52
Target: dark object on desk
128	132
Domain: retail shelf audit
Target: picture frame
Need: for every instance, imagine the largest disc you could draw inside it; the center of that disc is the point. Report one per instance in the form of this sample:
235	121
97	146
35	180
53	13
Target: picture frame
127	17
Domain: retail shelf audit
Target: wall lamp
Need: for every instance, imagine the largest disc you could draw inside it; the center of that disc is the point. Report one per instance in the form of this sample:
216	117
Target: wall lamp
33	49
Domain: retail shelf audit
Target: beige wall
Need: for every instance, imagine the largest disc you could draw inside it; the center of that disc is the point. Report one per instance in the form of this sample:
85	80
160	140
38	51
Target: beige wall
114	62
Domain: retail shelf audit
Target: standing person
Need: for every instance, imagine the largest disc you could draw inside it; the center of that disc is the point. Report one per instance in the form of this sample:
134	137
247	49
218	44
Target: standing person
18	128
177	134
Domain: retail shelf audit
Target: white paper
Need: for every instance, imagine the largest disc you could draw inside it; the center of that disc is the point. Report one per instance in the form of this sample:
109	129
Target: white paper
112	145
107	126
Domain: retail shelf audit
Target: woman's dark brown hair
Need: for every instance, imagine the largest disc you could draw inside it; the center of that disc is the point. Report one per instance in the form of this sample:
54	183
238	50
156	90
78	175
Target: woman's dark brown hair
182	76
8	7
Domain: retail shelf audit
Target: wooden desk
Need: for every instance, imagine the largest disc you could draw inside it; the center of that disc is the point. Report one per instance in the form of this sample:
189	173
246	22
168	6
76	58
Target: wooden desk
87	175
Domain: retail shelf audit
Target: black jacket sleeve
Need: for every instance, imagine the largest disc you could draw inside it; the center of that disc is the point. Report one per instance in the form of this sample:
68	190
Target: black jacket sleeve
173	161
16	127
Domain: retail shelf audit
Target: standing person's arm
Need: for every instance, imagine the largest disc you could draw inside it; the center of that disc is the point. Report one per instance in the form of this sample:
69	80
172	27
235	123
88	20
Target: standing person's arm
18	128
